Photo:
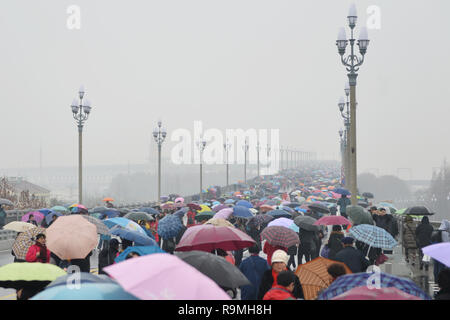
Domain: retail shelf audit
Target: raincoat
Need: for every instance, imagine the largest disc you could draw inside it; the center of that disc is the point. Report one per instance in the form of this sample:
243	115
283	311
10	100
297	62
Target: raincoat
31	254
445	228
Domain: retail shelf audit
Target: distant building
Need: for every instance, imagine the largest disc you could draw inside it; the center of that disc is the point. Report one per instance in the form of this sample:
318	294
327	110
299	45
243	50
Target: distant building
19	184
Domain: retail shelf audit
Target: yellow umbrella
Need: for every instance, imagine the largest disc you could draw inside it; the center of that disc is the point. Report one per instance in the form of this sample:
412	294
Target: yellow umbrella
204	208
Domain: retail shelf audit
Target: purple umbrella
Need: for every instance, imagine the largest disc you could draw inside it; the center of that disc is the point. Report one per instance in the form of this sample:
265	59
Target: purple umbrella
439	251
38	216
224	213
281	222
162	276
219	207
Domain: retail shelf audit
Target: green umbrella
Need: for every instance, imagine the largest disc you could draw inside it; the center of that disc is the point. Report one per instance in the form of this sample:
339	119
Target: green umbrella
136	216
205	215
400	211
358	215
59	209
28	274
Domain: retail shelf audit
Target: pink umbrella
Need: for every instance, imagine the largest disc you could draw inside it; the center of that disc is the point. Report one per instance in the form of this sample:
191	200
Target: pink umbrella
167	206
281	222
219	207
224	213
179	199
162	276
38	216
332	220
365	293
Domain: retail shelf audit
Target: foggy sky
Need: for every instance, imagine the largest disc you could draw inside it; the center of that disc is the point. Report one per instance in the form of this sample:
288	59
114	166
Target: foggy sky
232	64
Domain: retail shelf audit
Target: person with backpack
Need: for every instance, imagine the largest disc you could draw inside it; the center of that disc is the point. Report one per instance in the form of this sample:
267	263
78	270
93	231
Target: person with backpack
423	238
409	240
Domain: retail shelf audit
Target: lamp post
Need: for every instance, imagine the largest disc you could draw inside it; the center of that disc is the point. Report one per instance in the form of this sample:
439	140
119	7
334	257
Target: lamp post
227	147
80	111
245	161
347	154
352	63
268	154
159	134
341	140
258	147
201	147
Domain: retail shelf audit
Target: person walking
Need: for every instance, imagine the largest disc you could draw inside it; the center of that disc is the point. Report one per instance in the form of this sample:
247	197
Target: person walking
307	246
253	268
353	258
284	288
443	282
2	217
335	242
38	252
269	279
423	238
409	240
343	202
107	255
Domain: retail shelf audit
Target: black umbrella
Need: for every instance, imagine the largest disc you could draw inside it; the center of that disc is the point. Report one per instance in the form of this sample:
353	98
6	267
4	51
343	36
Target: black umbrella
306	223
418	211
368	195
319	208
363	204
215	267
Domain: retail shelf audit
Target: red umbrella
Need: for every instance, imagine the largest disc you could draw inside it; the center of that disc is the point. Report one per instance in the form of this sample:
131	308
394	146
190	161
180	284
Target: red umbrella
194	206
332	220
280	236
208	237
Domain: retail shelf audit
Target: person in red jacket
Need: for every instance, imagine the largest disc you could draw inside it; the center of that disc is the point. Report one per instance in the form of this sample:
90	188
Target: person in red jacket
38	252
284	287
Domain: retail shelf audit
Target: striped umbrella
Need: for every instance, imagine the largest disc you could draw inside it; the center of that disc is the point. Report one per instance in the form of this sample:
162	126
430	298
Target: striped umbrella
347	282
280	236
24	241
314	276
373	236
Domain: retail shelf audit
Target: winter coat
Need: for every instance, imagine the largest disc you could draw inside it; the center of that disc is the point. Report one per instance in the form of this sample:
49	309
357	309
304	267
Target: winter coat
353	258
443	295
423	234
83	264
278	293
409	235
445	227
31	254
386	222
335	244
343	203
253	268
106	258
2	217
267	283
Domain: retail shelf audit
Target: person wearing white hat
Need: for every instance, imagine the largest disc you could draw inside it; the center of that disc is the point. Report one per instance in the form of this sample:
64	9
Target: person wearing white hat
279	263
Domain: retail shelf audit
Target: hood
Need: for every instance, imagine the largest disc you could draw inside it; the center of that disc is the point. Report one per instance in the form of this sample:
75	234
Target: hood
445	225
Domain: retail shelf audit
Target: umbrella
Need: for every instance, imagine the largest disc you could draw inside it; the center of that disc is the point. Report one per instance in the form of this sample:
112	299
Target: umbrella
108	199
279	214
164	198
204	215
347	282
26	274
204	208
194	206
280	236
363	204
332	220
101	227
45	211
6	202
168	206
180	213
59	209
365	293
281	222
134	236
19	226
49	217
216	268
169	226
319	207
125	223
373	236
179	200
244	203
208	237
136	216
229	201
24	241
111	213
99	210
38	216
439	251
259	220
368	195
224	213
71	237
76	205
81	277
149	210
141	250
358	215
79	210
167	278
219	207
85	291
342	191
418	211
242	212
218	222
314	276
306	223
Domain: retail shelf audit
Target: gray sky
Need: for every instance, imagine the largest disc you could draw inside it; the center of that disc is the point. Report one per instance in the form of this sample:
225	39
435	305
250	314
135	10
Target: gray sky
232	64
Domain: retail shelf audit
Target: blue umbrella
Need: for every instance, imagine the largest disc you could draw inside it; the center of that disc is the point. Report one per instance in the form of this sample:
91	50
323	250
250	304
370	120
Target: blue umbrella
349	281
180	213
242	212
373	236
342	191
45	211
244	203
142	251
149	210
285	208
279	214
84	277
86	291
169	226
111	213
48	218
136	237
299	209
229	201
